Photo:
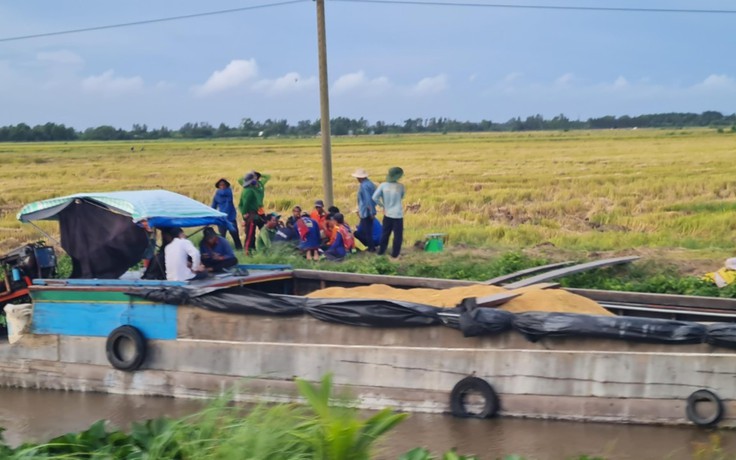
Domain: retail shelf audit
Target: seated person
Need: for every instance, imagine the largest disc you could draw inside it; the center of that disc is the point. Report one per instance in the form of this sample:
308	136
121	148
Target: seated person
217	254
329	232
376	228
267	232
177	255
309	238
319	214
285	234
329	227
296	214
156	268
344	242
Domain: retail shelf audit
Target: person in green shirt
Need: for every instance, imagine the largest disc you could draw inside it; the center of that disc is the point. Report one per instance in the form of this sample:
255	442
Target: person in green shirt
267	232
248	206
261	193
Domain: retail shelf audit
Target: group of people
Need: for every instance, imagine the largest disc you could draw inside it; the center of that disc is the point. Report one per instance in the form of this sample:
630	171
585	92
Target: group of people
321	233
179	260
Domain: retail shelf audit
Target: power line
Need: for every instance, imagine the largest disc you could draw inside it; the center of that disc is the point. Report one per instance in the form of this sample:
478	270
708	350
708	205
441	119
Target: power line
387	2
151	21
540	7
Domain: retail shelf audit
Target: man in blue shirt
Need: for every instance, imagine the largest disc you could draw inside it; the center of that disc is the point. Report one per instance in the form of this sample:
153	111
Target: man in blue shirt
217	254
223	202
366	208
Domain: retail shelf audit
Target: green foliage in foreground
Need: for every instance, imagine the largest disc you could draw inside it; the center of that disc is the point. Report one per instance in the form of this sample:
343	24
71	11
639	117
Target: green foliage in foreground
317	431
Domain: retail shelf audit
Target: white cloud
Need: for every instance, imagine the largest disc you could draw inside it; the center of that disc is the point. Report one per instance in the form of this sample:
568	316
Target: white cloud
62	57
473	77
289	83
512	77
620	82
108	83
717	82
358	82
236	73
565	79
430	85
165	85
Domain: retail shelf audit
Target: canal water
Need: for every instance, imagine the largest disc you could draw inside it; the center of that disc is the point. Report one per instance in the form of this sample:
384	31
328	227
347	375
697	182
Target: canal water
34	415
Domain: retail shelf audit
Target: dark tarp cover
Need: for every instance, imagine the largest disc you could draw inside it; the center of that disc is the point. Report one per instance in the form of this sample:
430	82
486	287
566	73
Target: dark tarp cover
101	244
536	325
722	335
485	321
355	312
174	295
373	312
249	301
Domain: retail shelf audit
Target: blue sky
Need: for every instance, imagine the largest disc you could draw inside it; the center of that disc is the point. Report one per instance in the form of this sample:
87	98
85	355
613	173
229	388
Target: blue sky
387	62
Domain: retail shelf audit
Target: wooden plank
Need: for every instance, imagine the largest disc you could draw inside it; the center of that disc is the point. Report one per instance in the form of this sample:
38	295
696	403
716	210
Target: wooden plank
560	272
495	299
527	271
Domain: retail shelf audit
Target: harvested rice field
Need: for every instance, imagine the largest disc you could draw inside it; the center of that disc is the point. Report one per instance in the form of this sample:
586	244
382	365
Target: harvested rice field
585	191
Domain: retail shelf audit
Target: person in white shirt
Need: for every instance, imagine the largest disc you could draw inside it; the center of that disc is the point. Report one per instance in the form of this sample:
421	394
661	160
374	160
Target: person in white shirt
177	253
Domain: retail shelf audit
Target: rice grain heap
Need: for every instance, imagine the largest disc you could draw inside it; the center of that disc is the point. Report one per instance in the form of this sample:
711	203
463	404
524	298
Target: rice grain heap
532	298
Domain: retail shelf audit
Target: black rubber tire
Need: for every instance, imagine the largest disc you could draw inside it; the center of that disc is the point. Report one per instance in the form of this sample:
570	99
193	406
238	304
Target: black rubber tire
113	353
704	395
457	398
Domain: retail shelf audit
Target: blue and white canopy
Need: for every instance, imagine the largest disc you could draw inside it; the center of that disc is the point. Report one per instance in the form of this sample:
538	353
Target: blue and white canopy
160	208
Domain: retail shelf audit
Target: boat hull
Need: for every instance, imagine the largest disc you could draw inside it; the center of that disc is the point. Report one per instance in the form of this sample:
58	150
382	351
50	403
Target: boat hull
411	369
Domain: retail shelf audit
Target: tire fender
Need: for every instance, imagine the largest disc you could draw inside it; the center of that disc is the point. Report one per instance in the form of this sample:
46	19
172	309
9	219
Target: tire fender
704	420
467	385
114	355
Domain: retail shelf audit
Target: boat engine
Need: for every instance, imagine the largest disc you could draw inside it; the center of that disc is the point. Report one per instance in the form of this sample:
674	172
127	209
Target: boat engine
35	260
21	266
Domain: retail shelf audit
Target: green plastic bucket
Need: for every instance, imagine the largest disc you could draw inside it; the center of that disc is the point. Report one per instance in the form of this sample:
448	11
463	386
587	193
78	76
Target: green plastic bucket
435	242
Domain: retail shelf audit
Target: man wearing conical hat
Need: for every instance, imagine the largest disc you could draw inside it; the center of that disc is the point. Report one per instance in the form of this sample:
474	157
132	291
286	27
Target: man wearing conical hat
366	207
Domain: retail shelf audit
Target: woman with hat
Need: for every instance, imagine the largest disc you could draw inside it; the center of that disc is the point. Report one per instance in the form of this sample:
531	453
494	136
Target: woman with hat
389	196
223	202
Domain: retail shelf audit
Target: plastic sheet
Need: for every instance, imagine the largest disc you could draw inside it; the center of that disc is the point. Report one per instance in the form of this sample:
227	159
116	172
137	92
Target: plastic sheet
170	295
721	335
373	313
537	325
485	321
250	302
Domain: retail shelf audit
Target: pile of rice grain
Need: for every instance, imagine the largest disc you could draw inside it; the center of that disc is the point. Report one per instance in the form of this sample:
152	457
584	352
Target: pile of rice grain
531	299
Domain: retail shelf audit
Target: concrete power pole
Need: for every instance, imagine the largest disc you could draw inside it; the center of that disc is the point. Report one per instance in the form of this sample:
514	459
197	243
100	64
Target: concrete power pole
324	102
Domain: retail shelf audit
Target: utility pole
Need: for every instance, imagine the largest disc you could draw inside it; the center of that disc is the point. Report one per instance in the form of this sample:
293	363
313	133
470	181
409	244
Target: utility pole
324	103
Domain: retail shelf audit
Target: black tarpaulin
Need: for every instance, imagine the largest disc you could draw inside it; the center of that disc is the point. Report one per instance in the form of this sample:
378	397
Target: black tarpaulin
249	301
373	312
536	325
485	321
243	300
722	335
101	243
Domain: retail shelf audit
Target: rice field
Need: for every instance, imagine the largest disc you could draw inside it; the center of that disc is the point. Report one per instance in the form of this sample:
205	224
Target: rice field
602	191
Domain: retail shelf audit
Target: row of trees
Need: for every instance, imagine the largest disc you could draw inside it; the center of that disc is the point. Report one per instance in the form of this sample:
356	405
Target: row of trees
342	126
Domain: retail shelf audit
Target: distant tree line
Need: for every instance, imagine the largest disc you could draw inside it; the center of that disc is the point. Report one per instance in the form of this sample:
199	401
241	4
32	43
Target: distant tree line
342	126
